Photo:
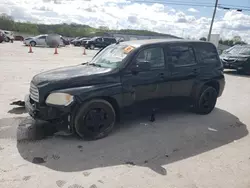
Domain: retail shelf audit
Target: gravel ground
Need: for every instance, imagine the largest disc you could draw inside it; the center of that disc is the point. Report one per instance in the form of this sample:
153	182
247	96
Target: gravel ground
179	149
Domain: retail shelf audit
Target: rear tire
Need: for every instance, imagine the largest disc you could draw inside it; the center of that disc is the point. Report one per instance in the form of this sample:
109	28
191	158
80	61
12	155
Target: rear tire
95	119
206	100
7	39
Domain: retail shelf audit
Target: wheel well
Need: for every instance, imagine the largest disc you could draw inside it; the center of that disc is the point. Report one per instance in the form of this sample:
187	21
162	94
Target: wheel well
214	84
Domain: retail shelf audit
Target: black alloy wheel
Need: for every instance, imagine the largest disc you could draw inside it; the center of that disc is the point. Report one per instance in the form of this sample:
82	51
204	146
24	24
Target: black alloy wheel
206	101
95	119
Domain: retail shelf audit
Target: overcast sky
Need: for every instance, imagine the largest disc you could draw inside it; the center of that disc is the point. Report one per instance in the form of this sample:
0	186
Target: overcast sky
160	15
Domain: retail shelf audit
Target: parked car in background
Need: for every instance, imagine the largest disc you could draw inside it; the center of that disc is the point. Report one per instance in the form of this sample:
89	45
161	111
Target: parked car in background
79	41
1	36
75	39
65	41
39	40
237	58
89	98
99	42
8	36
19	38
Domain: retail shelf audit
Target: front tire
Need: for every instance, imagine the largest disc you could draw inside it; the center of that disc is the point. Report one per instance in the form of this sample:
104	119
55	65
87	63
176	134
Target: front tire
206	101
95	119
32	43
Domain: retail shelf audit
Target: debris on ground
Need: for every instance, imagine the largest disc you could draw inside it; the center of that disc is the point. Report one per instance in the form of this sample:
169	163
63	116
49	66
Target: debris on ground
100	181
93	186
130	163
75	186
26	178
18	103
38	160
60	183
55	157
86	173
176	150
211	129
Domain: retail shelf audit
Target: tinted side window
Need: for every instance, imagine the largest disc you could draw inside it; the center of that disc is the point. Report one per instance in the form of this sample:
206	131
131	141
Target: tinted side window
182	55
113	40
107	40
207	53
155	56
99	40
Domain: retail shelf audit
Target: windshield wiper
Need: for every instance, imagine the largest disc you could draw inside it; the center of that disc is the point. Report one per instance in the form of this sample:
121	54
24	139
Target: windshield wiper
94	64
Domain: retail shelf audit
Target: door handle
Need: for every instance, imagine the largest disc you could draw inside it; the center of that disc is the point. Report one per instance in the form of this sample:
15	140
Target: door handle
195	71
161	75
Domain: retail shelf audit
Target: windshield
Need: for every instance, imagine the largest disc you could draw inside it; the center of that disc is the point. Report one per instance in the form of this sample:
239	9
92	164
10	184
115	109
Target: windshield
112	56
239	50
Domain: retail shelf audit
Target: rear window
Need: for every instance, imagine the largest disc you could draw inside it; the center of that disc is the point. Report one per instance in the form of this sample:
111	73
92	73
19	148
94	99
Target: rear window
207	53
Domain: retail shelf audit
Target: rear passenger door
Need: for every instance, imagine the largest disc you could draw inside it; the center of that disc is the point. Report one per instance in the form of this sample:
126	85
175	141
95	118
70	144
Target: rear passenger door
184	69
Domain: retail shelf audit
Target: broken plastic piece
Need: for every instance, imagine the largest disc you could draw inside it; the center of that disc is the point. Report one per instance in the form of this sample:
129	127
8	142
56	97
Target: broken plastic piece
18	103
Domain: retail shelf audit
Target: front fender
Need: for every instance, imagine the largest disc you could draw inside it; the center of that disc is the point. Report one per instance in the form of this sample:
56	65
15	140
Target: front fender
93	91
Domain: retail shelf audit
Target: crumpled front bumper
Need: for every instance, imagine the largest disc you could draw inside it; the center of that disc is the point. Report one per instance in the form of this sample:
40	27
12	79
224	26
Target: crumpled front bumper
43	112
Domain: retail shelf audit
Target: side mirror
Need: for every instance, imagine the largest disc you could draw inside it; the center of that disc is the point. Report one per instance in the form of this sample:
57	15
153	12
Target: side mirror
140	66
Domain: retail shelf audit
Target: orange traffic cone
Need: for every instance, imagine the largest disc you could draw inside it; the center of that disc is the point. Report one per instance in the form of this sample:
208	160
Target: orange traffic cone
30	51
84	51
55	51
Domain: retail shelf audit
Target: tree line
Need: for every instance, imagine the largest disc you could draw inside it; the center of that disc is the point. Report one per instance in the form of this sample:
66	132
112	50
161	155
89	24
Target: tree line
229	42
68	30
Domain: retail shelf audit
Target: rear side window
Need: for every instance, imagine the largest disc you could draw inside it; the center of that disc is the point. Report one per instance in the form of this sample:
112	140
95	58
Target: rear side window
99	40
155	56
207	53
109	40
182	55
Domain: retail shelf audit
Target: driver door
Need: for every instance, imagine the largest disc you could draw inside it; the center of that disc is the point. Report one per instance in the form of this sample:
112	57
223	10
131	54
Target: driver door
144	84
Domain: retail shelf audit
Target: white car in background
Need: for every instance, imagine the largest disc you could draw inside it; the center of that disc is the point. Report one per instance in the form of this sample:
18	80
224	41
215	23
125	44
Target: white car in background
39	40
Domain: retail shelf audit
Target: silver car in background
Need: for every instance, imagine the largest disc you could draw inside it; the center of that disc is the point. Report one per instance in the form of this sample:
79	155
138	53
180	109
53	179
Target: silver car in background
42	40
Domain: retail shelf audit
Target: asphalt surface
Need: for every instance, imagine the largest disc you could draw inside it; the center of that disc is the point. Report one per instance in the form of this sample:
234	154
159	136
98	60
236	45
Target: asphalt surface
180	149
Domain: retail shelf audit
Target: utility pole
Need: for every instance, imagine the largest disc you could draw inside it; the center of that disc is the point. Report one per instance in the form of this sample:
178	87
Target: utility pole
212	22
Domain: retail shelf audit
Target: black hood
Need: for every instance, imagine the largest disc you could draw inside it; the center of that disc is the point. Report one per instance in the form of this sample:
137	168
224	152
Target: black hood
71	76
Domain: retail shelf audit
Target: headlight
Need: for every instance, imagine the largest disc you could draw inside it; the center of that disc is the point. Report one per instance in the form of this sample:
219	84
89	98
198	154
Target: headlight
60	99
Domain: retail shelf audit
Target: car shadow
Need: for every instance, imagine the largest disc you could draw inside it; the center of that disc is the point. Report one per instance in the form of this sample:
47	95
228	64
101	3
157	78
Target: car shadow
17	110
172	137
235	73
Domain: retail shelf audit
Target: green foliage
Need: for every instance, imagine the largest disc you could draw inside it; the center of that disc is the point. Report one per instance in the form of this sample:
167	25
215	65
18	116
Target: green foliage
231	42
69	30
203	38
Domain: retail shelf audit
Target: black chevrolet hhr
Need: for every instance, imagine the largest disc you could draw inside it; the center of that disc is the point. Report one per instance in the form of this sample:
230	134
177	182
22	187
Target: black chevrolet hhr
89	97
